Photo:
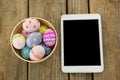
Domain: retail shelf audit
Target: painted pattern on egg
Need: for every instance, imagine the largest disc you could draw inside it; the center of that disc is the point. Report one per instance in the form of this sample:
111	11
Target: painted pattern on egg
31	25
33	39
18	41
37	53
49	37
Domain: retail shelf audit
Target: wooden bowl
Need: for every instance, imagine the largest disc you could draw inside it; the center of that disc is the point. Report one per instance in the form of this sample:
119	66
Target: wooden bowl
18	29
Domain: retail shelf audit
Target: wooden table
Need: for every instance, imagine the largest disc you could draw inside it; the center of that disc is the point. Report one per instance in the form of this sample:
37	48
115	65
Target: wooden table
12	11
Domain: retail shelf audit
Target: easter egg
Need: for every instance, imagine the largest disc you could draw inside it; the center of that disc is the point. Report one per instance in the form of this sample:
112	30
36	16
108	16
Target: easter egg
25	52
31	25
25	33
42	29
37	53
33	39
47	49
18	41
49	37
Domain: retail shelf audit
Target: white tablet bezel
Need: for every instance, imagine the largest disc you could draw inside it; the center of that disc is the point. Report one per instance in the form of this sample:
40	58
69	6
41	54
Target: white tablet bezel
81	69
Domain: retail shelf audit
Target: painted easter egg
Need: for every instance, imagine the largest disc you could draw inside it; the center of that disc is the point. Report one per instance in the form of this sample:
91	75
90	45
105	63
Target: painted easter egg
25	52
18	41
47	49
25	33
42	28
37	53
49	37
33	39
31	24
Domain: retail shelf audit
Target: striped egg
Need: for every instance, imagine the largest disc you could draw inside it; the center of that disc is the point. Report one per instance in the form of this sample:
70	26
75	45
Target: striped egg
49	37
37	53
18	41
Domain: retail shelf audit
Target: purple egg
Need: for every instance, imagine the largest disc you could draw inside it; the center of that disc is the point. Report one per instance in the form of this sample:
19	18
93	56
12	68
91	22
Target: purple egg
33	39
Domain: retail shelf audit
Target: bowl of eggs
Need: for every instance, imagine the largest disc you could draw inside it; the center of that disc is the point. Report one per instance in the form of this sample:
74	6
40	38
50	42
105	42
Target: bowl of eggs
33	39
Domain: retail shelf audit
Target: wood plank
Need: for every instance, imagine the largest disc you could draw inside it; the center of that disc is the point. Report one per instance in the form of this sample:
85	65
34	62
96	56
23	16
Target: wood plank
78	7
11	12
109	10
50	10
83	76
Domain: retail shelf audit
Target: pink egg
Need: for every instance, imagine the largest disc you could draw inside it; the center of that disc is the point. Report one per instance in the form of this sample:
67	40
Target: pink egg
37	53
31	25
18	41
25	33
49	37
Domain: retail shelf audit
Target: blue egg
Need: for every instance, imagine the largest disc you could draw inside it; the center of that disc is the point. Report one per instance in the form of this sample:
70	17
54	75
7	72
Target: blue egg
33	39
25	52
47	49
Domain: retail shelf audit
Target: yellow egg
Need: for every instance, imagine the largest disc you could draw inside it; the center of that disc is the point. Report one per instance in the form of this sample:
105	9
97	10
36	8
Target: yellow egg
42	29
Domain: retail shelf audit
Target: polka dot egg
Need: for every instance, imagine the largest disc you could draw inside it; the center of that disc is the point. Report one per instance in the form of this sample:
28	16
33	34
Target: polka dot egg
37	53
31	25
49	37
33	39
42	29
25	33
18	41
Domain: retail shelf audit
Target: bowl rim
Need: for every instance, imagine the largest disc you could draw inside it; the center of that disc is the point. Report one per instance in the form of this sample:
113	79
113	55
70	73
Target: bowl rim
37	61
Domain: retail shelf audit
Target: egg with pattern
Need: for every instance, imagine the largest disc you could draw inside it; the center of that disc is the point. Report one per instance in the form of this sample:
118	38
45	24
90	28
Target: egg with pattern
33	39
25	33
49	37
37	53
18	41
31	24
42	28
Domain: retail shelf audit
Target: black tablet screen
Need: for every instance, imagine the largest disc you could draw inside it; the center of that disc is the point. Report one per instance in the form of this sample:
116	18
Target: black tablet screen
81	43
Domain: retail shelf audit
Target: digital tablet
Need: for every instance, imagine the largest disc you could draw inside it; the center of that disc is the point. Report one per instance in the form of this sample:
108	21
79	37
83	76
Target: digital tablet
81	43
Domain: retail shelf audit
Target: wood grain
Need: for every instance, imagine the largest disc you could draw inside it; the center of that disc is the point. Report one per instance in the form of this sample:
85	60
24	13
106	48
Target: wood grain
109	11
50	69
11	12
78	7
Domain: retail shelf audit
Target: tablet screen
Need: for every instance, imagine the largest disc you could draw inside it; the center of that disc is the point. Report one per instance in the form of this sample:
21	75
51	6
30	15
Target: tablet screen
81	43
